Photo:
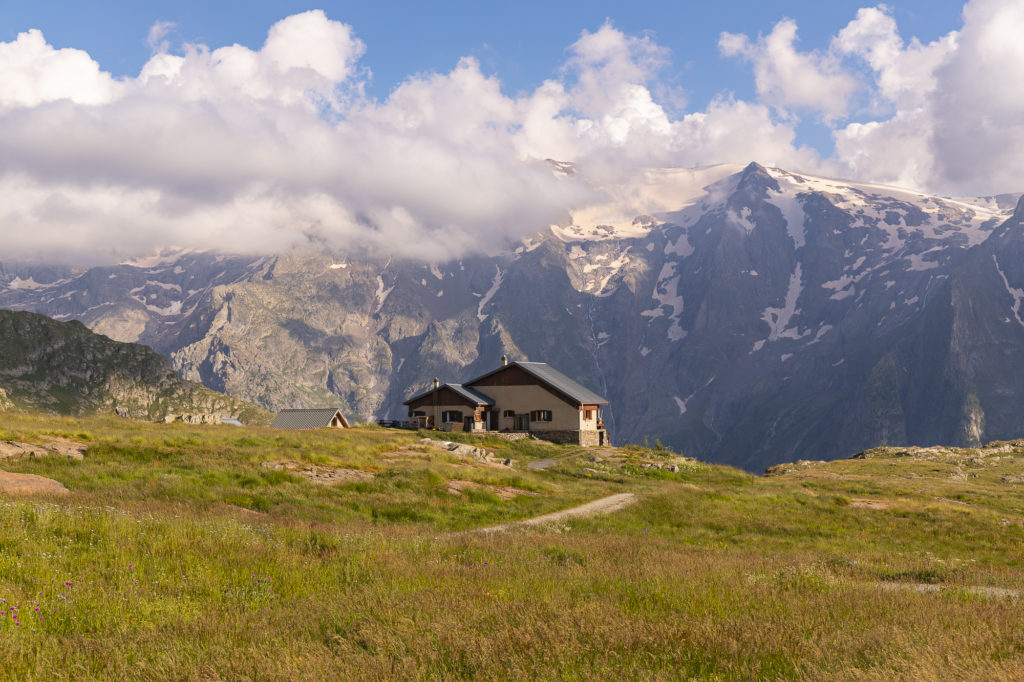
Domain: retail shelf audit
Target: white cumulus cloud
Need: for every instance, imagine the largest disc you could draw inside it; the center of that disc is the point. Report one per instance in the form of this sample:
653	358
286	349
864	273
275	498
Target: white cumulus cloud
238	149
943	116
789	79
33	72
262	150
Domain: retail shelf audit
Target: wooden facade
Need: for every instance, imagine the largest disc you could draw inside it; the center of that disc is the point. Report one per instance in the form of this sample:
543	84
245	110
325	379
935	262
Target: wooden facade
523	397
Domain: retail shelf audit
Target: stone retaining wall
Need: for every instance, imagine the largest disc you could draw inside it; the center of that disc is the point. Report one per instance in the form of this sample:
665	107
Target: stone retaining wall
585	438
515	435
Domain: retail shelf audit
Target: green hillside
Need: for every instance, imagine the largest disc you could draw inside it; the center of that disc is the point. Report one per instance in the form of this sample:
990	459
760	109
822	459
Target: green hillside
206	552
63	368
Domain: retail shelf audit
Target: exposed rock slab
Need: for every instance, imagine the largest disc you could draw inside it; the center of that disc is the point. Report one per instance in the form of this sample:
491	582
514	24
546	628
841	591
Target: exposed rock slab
29	484
980	456
5	402
321	475
52	445
466	451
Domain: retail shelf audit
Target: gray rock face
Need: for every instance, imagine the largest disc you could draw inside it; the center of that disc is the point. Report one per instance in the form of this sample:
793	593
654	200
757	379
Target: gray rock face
777	317
63	368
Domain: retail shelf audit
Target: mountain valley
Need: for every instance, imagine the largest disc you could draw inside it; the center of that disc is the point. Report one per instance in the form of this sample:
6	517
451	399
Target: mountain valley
743	315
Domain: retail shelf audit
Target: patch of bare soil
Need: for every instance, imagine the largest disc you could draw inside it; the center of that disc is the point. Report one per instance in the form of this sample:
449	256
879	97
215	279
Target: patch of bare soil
29	484
52	445
457	487
320	474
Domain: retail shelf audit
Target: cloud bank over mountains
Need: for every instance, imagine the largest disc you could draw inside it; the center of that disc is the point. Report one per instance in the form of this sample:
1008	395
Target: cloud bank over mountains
263	150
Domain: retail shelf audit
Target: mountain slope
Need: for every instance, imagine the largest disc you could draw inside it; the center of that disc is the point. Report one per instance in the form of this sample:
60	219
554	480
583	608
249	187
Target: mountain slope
63	367
752	316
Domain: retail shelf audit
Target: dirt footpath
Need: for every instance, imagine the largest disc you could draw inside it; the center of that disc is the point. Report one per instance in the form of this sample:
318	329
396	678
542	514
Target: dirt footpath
605	505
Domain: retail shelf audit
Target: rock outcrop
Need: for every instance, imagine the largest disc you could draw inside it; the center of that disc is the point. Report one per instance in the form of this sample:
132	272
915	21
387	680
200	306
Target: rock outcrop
64	368
29	484
61	447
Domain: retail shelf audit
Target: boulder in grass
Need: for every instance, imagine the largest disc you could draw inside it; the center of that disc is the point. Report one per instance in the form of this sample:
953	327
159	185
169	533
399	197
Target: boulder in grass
29	484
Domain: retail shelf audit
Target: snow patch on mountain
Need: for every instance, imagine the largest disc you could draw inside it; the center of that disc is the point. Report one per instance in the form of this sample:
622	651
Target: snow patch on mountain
654	192
1016	294
888	208
160	285
594	270
778	319
681	247
495	285
381	294
789	203
18	283
163	257
174	308
918	263
666	293
741	220
681	403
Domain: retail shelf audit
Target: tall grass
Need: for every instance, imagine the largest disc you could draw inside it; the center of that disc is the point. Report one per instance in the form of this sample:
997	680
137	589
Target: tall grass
149	571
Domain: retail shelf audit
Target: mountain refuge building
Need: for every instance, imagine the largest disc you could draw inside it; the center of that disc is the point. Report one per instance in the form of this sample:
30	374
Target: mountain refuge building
329	417
526	397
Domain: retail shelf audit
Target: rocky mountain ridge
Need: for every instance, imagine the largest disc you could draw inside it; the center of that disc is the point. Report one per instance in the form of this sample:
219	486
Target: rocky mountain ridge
64	368
755	316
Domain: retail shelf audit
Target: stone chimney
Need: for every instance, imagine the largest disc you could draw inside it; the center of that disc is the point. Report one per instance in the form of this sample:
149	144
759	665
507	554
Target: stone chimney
437	382
504	361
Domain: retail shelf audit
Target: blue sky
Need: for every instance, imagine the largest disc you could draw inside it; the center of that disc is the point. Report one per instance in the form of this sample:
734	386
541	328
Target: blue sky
386	124
522	43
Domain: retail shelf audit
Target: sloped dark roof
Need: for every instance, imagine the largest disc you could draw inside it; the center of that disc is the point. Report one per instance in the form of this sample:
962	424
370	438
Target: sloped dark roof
573	390
560	382
469	394
306	419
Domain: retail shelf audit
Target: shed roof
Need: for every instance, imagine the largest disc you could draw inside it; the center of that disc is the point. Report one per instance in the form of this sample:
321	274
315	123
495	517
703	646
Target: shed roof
556	380
469	394
307	419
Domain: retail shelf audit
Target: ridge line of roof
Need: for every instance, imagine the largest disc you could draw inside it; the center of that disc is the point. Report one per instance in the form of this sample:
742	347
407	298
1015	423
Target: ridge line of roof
309	409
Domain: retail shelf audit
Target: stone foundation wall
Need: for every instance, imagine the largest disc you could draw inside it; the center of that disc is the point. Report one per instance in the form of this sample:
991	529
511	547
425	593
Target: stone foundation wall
584	438
515	435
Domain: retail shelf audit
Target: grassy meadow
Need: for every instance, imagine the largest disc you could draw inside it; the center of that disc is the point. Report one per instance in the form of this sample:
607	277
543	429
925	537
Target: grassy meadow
176	555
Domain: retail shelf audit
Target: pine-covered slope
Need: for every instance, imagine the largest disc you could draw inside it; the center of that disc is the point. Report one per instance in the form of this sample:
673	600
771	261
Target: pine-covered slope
769	316
65	368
